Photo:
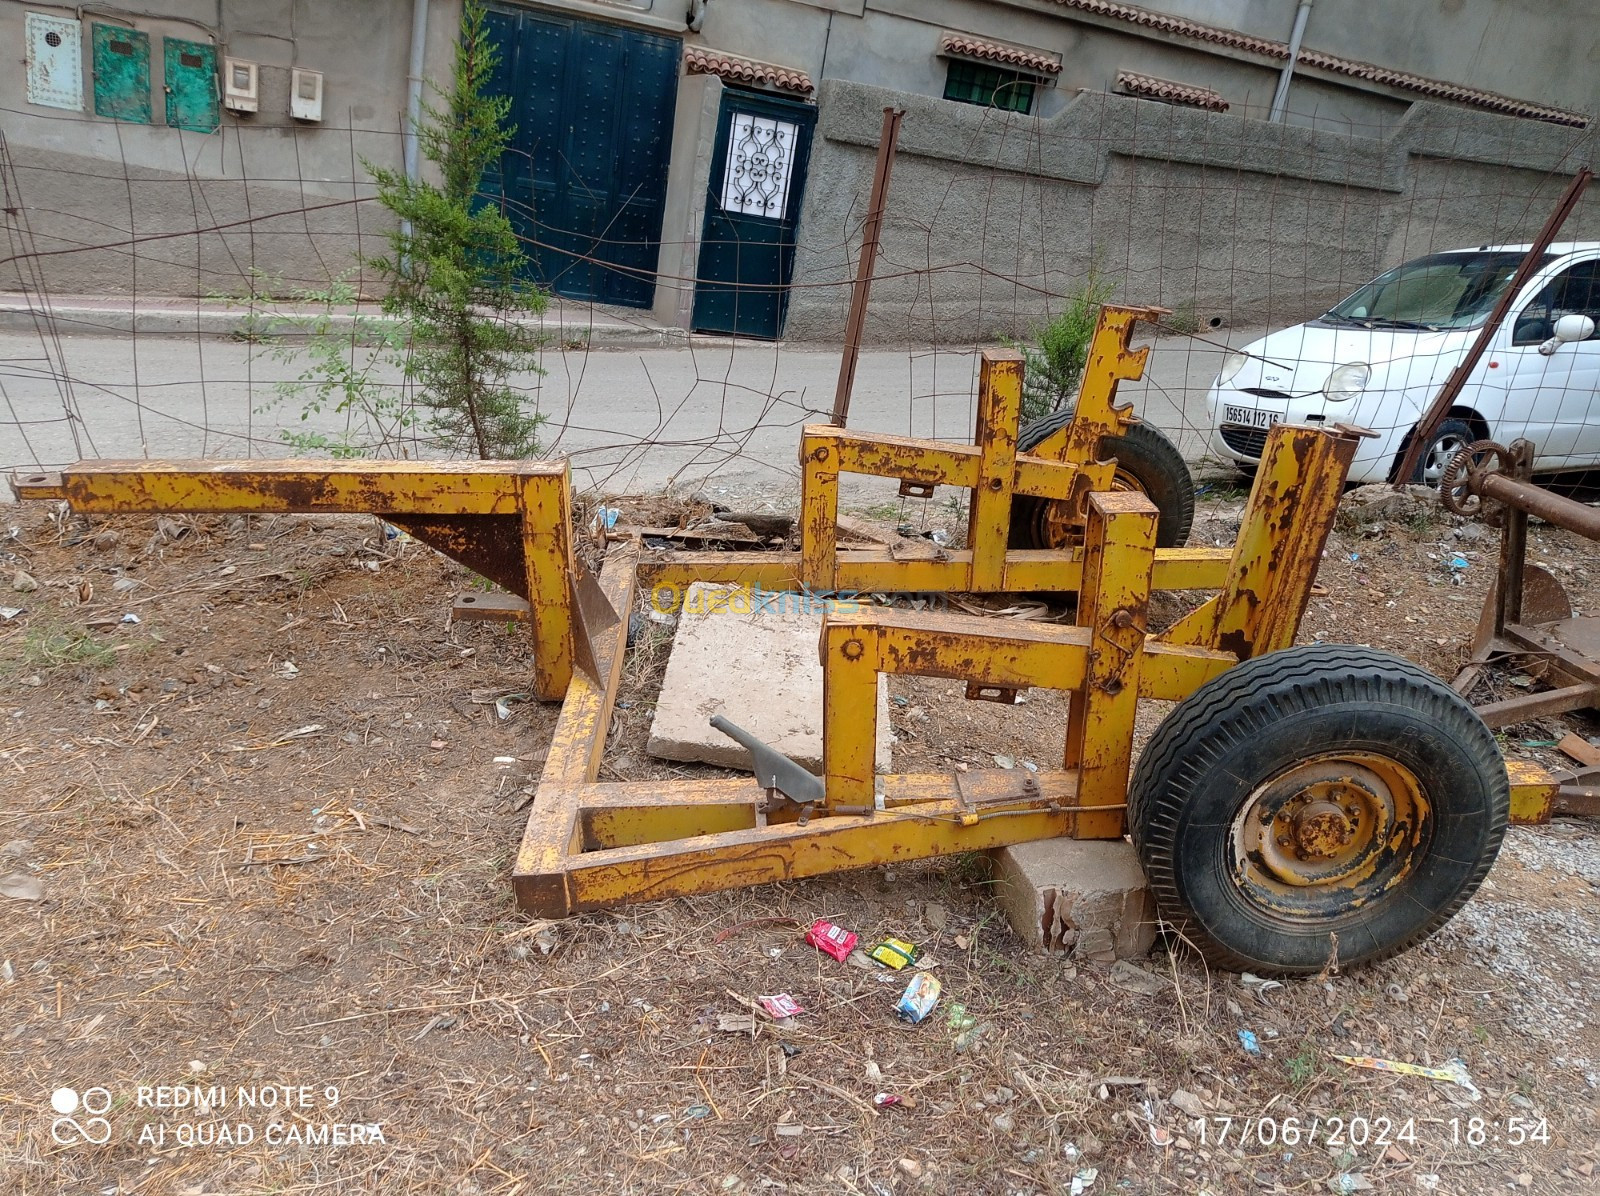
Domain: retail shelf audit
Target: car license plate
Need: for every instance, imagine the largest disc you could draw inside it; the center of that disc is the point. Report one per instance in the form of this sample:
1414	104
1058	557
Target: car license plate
1249	417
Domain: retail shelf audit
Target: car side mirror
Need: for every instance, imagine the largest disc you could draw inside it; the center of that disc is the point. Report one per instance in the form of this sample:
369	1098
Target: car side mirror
1568	329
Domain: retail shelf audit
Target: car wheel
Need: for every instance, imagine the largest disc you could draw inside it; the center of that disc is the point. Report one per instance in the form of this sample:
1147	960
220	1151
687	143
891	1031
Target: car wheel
1447	440
1322	803
1146	461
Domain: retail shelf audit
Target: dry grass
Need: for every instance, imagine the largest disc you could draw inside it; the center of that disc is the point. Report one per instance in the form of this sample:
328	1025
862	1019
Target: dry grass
232	899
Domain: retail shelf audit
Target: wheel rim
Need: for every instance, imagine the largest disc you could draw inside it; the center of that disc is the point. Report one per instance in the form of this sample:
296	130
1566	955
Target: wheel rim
1329	834
1059	523
1440	455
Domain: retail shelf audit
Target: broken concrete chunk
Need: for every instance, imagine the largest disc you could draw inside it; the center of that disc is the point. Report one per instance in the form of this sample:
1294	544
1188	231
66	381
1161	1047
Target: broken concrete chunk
1084	896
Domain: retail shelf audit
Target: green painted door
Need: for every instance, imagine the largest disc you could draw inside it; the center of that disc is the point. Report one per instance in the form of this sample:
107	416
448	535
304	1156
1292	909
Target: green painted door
122	73
758	178
191	74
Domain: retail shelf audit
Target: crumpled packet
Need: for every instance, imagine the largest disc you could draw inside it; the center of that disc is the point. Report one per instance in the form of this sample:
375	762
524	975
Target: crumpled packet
1454	1072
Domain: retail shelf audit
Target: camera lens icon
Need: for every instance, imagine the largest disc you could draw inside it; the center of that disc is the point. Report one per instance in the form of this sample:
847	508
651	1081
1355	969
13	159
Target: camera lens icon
94	1129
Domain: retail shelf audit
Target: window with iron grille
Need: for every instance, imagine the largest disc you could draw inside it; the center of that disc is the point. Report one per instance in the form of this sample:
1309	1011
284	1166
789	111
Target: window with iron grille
991	87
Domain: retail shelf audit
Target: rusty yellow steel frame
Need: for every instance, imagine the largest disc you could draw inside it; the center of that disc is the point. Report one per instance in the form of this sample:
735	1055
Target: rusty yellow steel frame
589	844
510	521
1065	467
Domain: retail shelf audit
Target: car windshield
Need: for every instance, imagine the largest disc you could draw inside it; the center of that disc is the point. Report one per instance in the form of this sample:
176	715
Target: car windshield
1442	290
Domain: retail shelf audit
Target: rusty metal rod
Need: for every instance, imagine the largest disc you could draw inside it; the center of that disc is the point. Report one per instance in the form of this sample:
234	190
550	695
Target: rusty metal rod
1458	377
871	233
1536	500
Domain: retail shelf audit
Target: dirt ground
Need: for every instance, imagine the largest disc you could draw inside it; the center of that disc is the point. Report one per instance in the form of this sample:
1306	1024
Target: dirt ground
260	814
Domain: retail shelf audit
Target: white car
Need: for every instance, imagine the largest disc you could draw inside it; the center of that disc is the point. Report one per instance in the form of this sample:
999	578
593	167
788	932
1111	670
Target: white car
1378	359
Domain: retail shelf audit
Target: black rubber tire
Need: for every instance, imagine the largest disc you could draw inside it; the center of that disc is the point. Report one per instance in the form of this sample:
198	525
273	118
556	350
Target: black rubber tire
1453	435
1238	731
1144	454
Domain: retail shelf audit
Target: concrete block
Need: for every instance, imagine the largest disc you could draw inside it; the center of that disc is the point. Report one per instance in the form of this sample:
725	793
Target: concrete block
754	660
1084	896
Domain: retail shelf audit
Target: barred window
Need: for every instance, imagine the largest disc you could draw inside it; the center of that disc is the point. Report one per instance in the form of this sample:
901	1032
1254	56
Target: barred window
991	87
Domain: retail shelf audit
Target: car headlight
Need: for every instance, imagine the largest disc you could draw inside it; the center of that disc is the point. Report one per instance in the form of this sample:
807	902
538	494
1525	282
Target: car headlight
1348	381
1231	365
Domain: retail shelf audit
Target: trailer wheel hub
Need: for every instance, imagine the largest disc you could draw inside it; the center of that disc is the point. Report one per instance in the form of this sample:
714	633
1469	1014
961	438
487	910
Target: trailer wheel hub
1060	524
1337	828
1322	829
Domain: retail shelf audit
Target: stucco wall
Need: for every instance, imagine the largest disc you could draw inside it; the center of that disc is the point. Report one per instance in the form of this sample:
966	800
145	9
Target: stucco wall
1093	179
86	180
993	217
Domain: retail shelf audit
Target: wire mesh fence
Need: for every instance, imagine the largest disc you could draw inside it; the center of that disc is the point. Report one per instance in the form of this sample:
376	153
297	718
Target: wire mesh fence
163	306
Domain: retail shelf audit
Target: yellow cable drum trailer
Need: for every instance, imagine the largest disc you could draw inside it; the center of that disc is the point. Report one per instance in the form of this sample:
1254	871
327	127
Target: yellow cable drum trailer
1299	804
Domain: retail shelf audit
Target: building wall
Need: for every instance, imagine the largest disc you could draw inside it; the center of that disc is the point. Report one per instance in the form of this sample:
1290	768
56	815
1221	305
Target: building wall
994	218
1037	199
86	180
1544	52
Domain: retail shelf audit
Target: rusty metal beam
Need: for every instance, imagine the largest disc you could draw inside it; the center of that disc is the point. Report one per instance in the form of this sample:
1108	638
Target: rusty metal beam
508	521
880	571
232	487
1283	530
1536	500
989	513
1577	801
1510	711
1114	607
572	762
871	236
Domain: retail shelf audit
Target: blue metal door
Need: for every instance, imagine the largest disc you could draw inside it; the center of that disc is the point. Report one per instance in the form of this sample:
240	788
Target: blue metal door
758	176
584	179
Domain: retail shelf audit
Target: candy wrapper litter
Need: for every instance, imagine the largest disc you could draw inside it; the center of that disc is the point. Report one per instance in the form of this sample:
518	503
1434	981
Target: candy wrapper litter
780	1006
920	997
894	953
832	940
1454	1072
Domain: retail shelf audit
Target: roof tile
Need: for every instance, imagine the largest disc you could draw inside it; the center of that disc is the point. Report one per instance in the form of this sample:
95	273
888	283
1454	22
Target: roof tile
976	47
1173	93
1405	81
702	60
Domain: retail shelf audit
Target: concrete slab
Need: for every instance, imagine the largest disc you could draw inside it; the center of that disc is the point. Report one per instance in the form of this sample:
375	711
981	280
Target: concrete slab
1087	897
759	668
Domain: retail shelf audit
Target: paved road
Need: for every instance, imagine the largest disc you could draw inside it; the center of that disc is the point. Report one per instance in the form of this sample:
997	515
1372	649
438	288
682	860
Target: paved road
630	420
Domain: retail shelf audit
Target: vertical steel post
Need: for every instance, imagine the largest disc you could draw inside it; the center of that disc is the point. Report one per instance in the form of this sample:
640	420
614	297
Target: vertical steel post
999	413
1513	547
851	657
1119	550
547	557
1280	97
870	234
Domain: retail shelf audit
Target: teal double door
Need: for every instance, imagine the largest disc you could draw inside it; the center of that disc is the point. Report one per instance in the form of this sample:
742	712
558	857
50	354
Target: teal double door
584	180
754	192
